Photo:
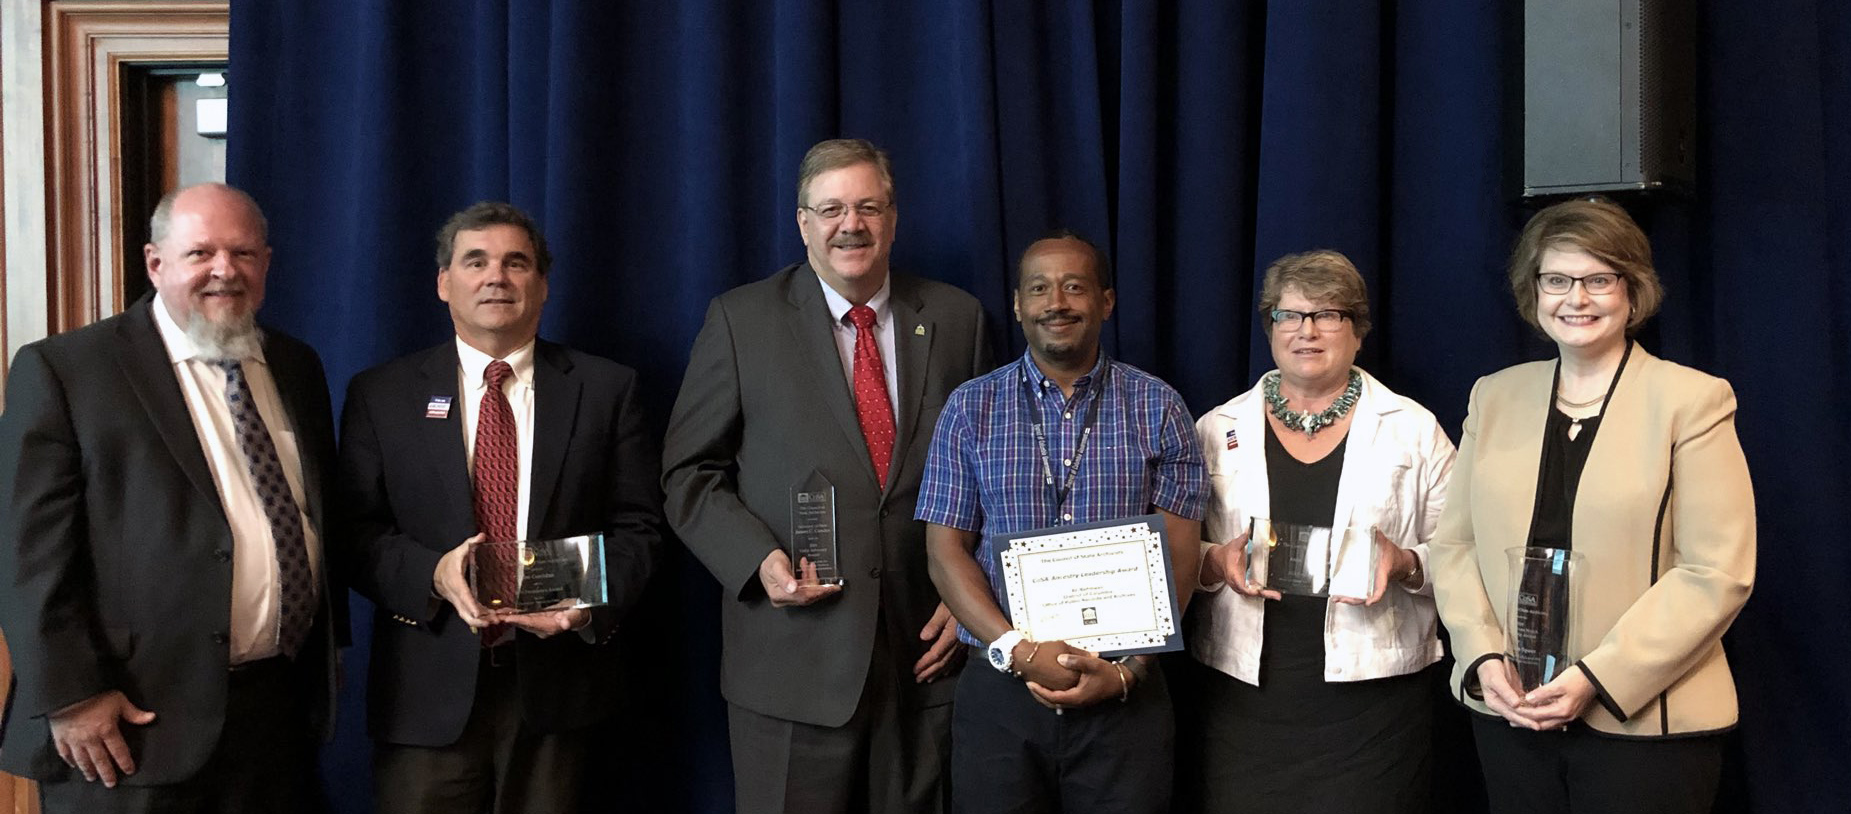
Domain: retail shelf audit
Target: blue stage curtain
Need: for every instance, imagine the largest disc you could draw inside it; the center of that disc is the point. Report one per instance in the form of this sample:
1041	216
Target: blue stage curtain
1195	140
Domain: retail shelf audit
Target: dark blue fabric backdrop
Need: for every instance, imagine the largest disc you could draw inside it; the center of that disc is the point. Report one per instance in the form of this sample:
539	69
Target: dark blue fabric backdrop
1196	140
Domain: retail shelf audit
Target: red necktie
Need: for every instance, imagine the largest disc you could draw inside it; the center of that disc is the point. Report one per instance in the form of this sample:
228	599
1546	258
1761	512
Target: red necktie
498	492
871	403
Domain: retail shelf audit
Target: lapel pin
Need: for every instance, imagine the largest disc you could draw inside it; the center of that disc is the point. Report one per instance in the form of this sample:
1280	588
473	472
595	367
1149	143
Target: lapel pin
919	330
439	407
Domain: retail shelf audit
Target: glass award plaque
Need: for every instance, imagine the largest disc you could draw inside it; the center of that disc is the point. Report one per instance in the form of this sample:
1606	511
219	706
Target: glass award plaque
522	576
813	532
1537	638
1307	560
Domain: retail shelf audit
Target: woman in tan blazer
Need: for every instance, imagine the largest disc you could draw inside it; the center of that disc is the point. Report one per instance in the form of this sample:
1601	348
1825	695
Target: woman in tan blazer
1631	463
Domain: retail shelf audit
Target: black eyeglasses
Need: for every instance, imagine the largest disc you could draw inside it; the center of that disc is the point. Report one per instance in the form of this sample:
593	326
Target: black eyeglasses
1600	282
1329	319
831	211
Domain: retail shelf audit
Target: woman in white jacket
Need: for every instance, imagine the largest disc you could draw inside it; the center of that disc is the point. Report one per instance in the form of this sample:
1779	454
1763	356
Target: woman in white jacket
1316	703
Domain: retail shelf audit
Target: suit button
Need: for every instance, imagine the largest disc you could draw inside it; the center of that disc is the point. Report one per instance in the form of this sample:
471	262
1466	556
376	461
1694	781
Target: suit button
221	637
874	572
222	555
883	511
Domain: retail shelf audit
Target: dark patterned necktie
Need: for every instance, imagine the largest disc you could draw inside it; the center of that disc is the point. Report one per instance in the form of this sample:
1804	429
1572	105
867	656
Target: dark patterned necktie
871	403
296	583
497	494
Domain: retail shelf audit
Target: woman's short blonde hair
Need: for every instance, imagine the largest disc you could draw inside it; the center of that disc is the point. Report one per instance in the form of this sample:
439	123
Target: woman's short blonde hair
1324	275
1603	230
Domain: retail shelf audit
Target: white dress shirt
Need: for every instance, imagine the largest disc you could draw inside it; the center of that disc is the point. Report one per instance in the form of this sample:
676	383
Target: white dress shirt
255	593
845	335
471	364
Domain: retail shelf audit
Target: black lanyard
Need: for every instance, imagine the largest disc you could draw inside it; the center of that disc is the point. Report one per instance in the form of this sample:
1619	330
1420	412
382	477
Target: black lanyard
1032	406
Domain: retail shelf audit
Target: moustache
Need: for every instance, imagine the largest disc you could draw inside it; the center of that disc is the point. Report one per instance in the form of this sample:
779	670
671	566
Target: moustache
851	240
1056	316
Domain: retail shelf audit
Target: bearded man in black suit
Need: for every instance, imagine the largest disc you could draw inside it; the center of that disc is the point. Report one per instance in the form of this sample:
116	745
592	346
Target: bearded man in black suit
163	583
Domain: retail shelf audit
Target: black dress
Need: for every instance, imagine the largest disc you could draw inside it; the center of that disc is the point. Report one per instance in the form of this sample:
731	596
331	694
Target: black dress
1563	459
1296	742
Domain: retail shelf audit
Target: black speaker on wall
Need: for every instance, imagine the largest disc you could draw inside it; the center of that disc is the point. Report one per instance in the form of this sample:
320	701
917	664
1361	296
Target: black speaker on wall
1609	95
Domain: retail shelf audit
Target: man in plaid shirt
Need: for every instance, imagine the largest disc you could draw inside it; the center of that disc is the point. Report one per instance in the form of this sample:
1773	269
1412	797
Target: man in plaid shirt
1054	725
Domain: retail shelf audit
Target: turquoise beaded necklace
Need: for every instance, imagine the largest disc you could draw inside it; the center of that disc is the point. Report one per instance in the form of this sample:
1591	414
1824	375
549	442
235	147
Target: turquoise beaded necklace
1309	423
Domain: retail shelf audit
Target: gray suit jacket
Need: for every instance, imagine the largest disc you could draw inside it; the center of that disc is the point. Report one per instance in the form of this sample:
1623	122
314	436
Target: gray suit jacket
763	404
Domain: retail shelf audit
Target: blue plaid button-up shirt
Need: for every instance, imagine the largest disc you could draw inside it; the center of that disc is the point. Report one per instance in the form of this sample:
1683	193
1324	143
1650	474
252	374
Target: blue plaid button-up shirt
985	473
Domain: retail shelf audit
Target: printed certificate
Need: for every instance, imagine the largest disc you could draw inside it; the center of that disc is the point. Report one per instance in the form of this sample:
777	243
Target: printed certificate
1105	587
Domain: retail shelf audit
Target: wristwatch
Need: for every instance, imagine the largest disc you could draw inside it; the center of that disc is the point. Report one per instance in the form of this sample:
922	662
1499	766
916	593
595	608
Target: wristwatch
1138	670
1002	651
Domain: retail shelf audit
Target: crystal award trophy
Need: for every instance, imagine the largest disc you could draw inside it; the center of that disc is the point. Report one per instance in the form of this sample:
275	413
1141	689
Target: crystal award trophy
1307	560
522	576
1537	638
813	532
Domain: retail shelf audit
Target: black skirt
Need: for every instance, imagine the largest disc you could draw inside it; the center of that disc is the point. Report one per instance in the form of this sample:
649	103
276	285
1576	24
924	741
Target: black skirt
1298	743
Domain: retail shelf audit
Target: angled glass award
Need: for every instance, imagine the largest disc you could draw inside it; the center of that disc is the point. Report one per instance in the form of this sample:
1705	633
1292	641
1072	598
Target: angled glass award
813	532
522	576
1538	640
1307	560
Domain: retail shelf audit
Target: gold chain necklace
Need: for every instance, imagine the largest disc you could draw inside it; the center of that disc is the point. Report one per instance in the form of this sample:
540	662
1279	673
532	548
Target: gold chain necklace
1576	405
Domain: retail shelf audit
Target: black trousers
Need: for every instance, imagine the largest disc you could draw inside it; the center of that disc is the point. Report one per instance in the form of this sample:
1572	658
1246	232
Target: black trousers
1529	772
889	758
1011	755
264	762
499	764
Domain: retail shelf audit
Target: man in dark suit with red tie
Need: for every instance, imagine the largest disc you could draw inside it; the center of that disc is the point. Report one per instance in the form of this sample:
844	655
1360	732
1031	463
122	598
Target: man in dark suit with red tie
837	698
495	435
163	584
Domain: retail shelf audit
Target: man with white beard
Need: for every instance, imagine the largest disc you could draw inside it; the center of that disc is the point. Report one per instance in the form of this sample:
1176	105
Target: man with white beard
162	581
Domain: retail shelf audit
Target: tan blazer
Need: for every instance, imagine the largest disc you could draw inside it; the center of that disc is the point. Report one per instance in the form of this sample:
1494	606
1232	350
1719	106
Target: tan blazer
1664	522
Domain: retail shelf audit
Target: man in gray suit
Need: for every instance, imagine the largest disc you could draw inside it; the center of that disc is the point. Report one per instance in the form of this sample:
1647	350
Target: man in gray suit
837	368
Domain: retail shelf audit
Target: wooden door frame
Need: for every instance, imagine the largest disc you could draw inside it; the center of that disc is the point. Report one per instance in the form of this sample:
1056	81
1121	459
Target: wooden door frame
90	43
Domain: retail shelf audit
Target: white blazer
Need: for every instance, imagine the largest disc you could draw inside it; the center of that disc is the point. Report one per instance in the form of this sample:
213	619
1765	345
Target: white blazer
1395	468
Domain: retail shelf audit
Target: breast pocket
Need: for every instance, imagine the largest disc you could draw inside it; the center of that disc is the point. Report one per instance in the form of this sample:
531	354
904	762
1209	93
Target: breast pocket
1122	476
1395	484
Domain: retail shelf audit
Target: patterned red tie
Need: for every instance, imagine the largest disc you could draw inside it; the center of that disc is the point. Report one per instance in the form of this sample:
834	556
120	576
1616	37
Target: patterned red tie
498	492
871	403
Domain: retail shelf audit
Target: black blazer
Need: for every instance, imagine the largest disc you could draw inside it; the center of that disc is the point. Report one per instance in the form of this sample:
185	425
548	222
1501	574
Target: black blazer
115	555
763	403
406	499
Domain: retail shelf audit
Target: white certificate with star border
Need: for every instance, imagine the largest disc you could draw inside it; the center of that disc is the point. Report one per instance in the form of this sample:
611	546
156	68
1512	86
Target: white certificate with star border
1105	587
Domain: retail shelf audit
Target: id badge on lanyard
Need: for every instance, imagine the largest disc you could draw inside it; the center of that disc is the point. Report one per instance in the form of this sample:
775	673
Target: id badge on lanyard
1032	407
